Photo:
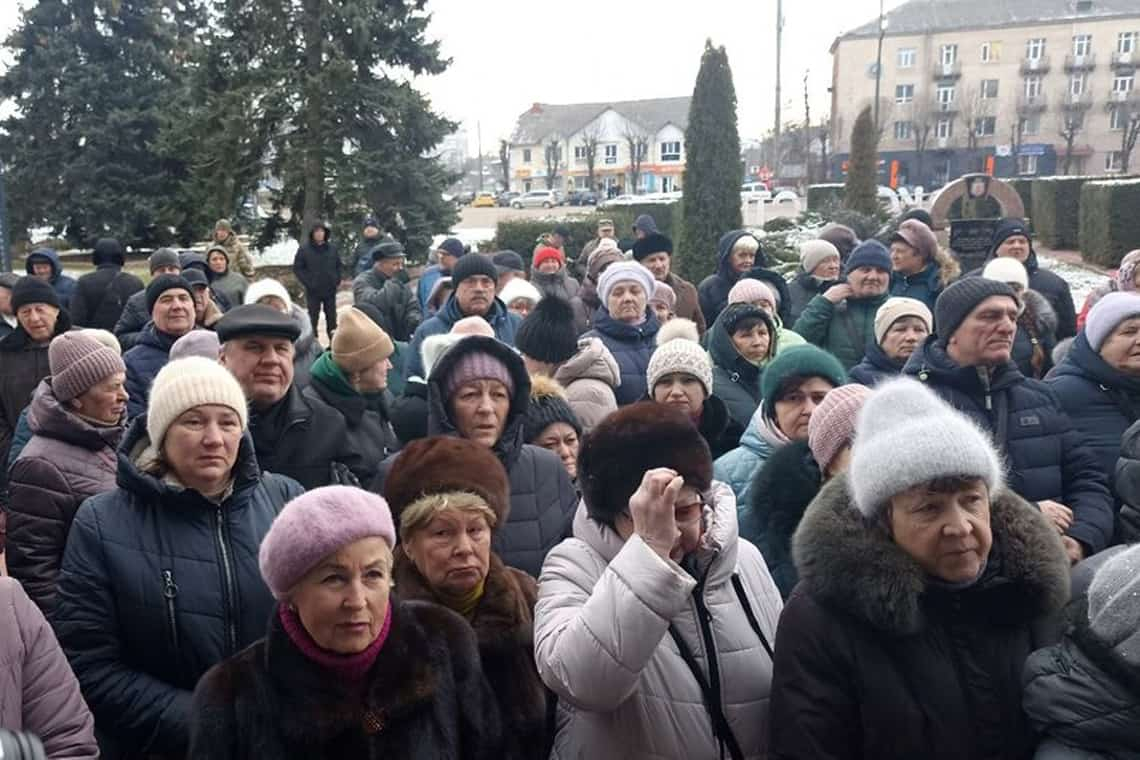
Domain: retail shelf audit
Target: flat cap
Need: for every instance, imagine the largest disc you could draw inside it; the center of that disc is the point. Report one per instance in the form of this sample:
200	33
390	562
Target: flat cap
256	319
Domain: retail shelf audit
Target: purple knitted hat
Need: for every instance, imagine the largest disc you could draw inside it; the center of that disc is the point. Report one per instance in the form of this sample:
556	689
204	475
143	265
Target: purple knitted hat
832	424
479	366
79	362
315	525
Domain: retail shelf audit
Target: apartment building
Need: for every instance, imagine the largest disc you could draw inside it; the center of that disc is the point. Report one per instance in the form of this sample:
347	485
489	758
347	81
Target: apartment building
1012	87
557	140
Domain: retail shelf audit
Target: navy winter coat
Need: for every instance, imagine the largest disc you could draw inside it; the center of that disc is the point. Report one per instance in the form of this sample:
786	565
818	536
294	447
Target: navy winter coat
1046	456
1102	402
925	286
503	322
150	354
713	290
875	367
157	585
632	346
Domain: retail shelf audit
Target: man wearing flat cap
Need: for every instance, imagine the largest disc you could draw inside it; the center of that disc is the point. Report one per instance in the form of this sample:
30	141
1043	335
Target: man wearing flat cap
294	435
380	286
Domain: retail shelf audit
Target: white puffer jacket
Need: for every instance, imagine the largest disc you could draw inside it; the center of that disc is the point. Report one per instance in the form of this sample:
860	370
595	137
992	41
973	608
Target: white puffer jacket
602	643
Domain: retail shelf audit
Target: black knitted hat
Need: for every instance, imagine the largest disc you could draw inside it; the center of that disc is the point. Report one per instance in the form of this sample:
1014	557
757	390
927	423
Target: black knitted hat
472	265
957	301
548	333
548	404
163	283
29	289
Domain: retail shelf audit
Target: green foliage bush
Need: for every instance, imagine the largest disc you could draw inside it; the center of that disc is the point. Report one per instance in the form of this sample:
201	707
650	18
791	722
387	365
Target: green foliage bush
779	224
1024	188
1109	222
821	197
1056	210
521	235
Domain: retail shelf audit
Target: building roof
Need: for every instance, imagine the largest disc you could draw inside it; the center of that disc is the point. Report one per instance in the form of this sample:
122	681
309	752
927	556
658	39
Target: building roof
930	16
544	119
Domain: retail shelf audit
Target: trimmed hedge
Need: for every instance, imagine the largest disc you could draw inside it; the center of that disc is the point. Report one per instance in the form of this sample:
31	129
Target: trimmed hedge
1024	188
520	235
821	197
1109	224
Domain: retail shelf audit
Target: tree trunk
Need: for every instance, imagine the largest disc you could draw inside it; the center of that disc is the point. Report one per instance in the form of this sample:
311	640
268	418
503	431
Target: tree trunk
313	164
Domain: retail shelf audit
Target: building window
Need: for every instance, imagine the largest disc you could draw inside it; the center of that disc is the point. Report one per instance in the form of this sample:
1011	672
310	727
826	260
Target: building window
1031	126
904	130
945	97
1033	87
1113	161
1027	164
1118	119
904	93
526	155
906	58
610	154
1078	83
1126	42
579	152
943	129
671	151
986	52
1035	49
1123	83
989	90
948	55
1082	45
985	126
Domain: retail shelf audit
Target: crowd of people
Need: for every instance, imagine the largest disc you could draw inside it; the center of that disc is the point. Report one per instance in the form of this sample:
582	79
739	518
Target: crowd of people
879	508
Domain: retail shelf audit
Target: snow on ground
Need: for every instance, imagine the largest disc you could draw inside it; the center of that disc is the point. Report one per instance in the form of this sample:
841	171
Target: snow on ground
1081	280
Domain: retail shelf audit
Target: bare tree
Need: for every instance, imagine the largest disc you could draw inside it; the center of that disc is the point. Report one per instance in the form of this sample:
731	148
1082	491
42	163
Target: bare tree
974	111
505	162
1070	123
553	156
823	134
1128	114
591	137
638	143
924	115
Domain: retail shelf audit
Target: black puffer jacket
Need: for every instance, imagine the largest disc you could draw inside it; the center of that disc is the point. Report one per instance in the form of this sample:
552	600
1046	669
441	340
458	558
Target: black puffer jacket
317	265
1053	287
1128	486
1083	695
128	329
1046	456
735	379
370	431
872	661
398	307
157	586
802	288
875	367
100	296
543	499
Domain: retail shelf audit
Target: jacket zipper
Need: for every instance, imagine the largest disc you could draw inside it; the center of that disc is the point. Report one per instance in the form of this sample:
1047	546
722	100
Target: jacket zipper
170	593
230	613
984	377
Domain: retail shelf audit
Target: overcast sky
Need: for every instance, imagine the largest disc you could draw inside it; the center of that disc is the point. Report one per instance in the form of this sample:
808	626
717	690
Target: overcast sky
508	54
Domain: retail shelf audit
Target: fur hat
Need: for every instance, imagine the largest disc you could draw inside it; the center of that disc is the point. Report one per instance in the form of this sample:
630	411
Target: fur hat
652	243
679	350
1114	605
629	442
799	361
832	424
315	525
548	404
815	252
1108	313
606	254
358	342
78	363
1126	274
841	236
624	271
1007	270
897	307
519	288
548	333
906	435
956	302
186	383
664	294
749	290
441	464
268	287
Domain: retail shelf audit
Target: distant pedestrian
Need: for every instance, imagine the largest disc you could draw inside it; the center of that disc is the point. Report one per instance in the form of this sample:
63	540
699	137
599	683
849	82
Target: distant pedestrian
239	257
101	296
319	269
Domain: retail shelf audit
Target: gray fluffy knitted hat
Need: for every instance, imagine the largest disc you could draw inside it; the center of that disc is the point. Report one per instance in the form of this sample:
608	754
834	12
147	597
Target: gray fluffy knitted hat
1114	605
905	436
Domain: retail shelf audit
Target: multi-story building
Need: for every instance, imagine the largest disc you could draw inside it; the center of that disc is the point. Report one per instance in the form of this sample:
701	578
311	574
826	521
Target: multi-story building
552	146
1012	87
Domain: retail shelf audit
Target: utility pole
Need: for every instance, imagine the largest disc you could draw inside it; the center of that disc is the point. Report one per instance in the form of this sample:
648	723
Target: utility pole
479	144
807	131
879	62
779	45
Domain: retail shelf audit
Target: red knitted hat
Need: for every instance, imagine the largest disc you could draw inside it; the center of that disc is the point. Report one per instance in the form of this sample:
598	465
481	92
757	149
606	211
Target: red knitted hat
546	253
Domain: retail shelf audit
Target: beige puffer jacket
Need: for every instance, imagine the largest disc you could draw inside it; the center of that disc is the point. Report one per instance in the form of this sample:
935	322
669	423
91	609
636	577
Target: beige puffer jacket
602	643
589	378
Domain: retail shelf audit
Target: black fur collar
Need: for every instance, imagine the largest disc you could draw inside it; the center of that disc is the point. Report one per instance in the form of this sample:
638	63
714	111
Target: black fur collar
846	564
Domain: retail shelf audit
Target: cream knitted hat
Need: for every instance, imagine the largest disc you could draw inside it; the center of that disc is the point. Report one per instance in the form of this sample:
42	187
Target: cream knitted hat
1007	270
897	307
186	383
679	350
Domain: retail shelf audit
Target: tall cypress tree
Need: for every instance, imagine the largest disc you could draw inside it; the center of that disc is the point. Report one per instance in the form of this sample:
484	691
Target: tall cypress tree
711	204
862	189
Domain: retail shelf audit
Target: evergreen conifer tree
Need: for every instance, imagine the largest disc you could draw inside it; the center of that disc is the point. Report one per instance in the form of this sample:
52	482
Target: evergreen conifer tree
862	189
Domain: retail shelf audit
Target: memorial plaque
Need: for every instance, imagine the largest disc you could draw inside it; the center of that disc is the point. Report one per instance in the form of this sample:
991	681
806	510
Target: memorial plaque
970	241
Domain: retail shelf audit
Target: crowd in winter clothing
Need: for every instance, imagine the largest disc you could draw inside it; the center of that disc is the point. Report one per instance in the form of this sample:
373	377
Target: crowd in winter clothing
854	512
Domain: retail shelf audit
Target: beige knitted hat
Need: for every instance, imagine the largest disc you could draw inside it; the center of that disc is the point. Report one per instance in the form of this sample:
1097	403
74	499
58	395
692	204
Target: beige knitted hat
358	342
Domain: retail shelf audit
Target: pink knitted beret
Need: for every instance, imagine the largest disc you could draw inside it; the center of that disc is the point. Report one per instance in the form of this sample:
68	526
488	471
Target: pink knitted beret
832	424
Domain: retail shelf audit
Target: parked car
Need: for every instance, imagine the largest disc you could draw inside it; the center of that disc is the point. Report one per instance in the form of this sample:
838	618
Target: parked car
506	197
465	197
484	200
537	198
582	198
620	200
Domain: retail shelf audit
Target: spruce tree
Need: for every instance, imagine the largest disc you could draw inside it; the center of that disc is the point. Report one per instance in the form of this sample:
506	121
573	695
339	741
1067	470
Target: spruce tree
862	189
711	183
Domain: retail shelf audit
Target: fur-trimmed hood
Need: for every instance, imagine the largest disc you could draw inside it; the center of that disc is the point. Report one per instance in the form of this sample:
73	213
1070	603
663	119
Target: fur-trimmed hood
850	565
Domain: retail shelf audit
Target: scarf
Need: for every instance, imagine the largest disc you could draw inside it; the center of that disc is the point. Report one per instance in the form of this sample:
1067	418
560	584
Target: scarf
352	668
769	430
330	374
464	604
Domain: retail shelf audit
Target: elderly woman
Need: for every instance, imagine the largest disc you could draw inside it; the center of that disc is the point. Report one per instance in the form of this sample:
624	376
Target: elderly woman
761	295
654	621
587	303
1036	324
1127	280
901	326
920	268
551	423
77	418
520	297
793	385
449	496
231	284
626	325
819	269
742	340
918	652
159	578
345	670
1098	383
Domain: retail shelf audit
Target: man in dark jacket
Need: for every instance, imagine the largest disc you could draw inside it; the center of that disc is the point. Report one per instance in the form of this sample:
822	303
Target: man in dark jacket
968	362
655	252
294	435
842	319
7	313
170	301
381	287
128	328
44	263
319	269
24	353
101	296
449	253
362	254
1011	239
737	252
474	278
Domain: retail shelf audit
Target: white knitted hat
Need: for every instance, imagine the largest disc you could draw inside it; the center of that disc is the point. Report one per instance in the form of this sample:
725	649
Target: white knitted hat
519	288
268	287
678	350
624	271
905	436
1007	270
186	383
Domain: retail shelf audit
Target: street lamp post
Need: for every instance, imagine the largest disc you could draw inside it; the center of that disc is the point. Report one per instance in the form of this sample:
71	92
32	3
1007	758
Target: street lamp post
879	61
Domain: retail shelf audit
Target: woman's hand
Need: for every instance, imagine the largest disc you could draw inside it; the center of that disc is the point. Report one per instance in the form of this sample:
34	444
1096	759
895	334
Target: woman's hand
651	508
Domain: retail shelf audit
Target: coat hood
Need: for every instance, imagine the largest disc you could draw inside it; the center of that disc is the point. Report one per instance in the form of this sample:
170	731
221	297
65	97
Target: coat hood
450	313
624	331
108	252
510	443
723	352
320	226
724	248
1027	575
593	361
49	418
45	254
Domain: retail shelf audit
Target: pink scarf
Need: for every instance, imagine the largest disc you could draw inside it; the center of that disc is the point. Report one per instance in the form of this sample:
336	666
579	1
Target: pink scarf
350	667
